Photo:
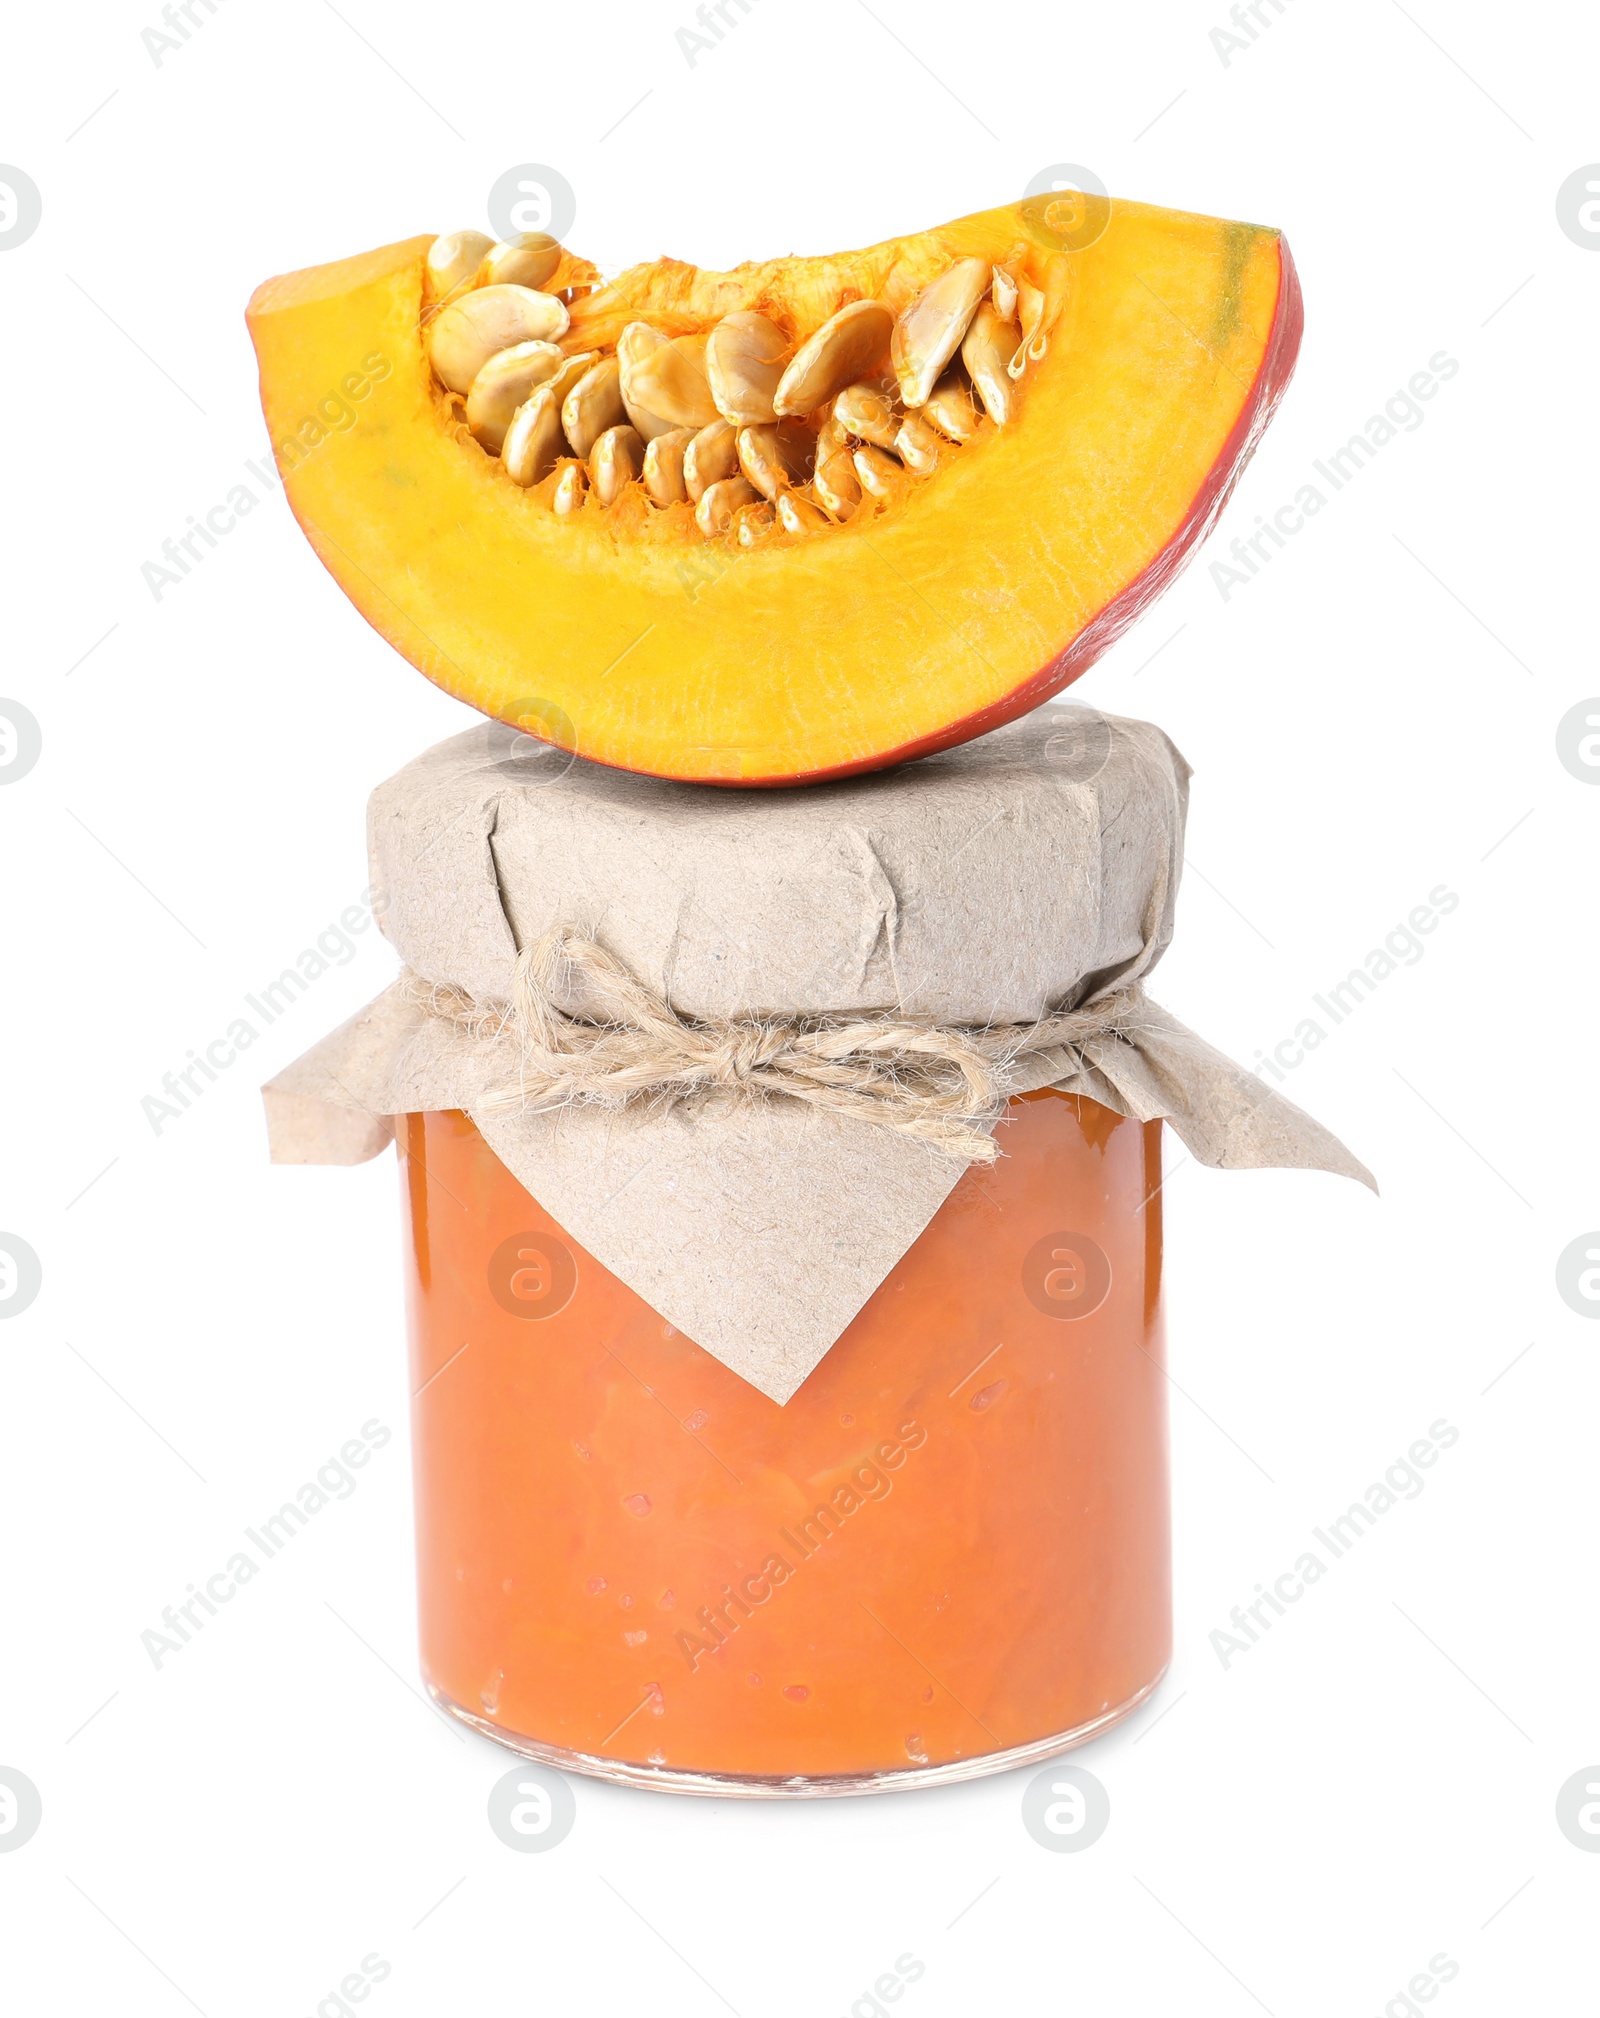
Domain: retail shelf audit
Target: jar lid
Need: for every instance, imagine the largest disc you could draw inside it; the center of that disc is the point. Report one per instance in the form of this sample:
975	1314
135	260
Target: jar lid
987	884
1030	872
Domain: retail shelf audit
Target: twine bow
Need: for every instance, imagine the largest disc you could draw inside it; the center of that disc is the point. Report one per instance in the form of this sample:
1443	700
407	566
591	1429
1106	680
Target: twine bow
942	1084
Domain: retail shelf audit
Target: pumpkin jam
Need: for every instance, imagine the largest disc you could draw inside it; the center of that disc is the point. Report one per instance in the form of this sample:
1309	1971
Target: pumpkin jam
949	1548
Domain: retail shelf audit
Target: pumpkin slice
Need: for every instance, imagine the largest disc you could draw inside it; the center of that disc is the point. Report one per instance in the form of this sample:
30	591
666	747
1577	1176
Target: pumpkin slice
949	471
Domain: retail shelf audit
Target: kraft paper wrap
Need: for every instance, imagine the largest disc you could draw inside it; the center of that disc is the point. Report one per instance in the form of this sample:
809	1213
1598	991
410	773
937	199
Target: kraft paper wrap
1034	869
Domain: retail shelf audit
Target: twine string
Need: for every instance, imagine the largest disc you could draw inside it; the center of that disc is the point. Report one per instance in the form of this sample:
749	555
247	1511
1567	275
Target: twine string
941	1084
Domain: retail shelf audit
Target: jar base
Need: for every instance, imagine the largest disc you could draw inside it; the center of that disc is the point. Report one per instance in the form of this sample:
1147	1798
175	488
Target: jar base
778	1787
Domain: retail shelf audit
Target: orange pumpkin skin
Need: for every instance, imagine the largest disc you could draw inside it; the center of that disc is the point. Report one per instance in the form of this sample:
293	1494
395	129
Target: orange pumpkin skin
969	600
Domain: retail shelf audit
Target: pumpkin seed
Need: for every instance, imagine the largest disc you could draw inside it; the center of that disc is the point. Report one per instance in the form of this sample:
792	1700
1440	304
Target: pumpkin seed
776	455
949	406
868	414
467	332
571	488
637	343
615	461
929	332
593	404
712	455
753	523
526	261
798	515
989	343
663	467
1033	305
917	445
452	261
533	441
572	369
744	354
1003	295
719	502
504	383
668	379
835	483
831	437
847	346
878	473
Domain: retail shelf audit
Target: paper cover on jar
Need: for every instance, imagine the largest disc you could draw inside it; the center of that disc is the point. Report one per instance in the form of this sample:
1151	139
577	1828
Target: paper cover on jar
1031	871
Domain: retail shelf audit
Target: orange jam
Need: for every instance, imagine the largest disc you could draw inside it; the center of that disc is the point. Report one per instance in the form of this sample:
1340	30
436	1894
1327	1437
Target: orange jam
947	1554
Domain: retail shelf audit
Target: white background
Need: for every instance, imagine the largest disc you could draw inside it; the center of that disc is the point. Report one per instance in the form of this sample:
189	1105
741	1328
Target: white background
1371	1786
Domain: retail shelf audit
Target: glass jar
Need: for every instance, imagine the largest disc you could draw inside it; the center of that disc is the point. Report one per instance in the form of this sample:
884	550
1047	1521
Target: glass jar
947	1555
